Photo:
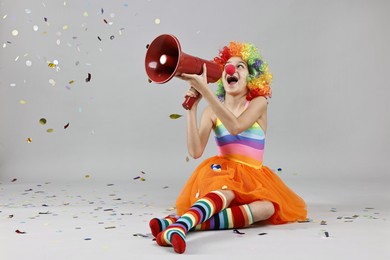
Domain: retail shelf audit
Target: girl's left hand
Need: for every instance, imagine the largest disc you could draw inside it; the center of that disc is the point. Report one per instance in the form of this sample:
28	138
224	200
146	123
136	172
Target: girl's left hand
199	82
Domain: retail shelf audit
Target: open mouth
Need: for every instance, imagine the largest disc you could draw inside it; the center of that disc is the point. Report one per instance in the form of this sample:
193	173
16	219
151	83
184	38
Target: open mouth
232	79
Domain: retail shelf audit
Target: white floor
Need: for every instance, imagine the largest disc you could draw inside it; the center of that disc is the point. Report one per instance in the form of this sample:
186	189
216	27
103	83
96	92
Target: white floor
92	220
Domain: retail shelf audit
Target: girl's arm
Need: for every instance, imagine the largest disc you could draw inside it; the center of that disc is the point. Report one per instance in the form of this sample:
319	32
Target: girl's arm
197	137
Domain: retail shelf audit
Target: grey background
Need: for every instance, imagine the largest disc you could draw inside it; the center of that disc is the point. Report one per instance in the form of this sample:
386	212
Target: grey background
328	117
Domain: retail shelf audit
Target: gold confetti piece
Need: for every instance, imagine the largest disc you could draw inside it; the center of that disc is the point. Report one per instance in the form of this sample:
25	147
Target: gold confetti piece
65	27
157	21
111	227
85	14
15	33
87	176
29	140
51	65
142	179
175	116
323	222
50	130
43	121
71	82
22	102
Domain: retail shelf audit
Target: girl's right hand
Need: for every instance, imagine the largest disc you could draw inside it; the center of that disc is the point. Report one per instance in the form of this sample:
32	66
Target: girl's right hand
195	94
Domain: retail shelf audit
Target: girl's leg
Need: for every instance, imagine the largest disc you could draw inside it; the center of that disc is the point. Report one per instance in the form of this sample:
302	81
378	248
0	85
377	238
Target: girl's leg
239	216
201	211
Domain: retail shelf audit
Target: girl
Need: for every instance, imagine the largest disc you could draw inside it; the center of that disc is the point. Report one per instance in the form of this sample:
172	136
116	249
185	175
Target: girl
233	189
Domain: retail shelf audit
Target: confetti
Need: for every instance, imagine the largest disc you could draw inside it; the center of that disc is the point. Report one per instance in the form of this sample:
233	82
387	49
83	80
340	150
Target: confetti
323	222
88	79
157	21
35	28
66	126
22	102
28	63
325	233
175	116
13	180
87	176
20	232
216	167
87	238
187	159
112	37
238	232
50	130
15	33
99	38
71	82
52	82
43	121
140	235
29	140
51	65
262	234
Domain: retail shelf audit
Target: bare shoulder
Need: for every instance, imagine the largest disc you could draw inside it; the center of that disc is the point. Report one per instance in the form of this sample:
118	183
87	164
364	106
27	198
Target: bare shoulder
259	104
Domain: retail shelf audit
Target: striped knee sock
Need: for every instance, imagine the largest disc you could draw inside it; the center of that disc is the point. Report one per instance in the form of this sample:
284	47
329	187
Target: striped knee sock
159	224
202	210
234	217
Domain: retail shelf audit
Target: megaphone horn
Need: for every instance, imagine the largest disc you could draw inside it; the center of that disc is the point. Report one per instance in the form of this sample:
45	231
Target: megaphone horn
165	60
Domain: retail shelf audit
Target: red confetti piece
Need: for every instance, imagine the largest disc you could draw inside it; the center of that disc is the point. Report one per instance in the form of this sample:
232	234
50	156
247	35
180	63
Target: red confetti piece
66	126
20	232
14	180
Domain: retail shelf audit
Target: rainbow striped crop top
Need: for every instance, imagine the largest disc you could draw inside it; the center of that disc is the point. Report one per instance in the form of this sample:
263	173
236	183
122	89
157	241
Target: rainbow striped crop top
246	147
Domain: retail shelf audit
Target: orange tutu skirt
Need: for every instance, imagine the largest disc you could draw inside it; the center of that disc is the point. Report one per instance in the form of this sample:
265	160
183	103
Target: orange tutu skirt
248	184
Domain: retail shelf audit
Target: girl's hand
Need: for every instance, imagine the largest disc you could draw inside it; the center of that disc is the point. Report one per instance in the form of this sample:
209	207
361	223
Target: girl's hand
192	92
198	82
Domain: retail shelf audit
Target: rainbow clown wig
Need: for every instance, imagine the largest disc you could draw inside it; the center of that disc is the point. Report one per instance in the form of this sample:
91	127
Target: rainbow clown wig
259	78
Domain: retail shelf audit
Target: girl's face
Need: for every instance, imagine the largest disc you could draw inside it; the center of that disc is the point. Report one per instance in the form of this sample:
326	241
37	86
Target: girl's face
236	83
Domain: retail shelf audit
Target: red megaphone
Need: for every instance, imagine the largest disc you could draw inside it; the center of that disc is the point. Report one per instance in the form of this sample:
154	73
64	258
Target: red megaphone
165	59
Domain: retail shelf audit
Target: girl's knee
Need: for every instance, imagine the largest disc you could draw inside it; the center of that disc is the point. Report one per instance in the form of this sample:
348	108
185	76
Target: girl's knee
262	210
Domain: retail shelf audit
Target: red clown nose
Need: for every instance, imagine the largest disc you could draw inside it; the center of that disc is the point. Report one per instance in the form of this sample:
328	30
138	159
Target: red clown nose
230	69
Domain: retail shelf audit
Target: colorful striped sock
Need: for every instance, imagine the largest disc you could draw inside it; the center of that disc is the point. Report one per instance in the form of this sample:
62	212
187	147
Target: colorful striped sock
159	224
234	217
202	210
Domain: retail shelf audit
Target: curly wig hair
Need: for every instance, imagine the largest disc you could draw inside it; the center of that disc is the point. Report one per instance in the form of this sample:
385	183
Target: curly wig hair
259	78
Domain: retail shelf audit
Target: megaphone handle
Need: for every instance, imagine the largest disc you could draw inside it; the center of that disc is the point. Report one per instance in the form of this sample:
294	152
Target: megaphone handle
188	102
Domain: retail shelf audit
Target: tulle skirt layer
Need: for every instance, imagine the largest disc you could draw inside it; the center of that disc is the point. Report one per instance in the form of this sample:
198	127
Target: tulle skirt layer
249	185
